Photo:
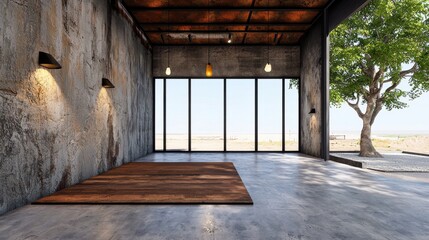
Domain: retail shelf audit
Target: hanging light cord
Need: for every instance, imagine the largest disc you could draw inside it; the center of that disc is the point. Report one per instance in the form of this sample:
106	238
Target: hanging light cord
168	29
268	33
208	33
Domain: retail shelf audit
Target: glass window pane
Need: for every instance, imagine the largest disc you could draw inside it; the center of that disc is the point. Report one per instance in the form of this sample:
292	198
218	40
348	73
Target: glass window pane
291	115
207	115
177	114
159	114
240	114
269	114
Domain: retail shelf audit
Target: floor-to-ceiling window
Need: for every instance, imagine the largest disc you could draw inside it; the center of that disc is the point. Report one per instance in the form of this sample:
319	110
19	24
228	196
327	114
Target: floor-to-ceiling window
291	108
207	114
226	114
159	114
240	114
270	114
176	114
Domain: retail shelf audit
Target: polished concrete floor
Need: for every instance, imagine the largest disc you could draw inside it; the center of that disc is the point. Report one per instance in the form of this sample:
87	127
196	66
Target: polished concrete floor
295	197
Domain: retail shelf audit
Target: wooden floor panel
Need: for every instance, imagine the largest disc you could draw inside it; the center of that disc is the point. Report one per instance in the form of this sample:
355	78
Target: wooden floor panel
151	183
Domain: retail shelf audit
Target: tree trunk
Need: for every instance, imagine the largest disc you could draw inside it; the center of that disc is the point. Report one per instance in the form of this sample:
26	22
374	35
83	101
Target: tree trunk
366	147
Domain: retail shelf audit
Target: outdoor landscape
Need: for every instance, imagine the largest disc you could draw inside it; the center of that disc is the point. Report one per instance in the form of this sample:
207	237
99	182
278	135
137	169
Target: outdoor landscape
379	79
384	143
236	142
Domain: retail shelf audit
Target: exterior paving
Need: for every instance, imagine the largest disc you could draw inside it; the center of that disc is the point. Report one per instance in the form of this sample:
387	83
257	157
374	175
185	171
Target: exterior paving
391	162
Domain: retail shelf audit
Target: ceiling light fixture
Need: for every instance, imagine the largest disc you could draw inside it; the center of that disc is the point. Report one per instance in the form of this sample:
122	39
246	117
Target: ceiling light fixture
268	65
209	68
46	60
229	38
168	69
106	83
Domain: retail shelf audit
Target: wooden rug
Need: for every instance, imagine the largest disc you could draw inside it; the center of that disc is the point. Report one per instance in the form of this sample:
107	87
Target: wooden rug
158	183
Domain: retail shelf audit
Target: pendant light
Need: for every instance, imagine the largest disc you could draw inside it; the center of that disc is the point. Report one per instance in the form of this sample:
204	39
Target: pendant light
168	69
268	65
209	68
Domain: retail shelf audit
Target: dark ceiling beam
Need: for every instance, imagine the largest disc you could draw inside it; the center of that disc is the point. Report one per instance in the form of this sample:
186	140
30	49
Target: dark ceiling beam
279	39
274	9
224	31
248	21
122	9
338	11
219	24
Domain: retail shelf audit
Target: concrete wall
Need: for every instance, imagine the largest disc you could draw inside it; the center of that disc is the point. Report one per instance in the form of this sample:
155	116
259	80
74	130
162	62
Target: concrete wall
227	61
311	77
59	127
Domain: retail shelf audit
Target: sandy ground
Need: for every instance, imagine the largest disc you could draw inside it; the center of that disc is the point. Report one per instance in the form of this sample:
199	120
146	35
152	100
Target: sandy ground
272	142
267	142
418	144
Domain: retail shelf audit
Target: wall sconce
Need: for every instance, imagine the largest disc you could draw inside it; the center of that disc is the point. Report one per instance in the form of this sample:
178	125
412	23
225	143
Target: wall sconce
312	111
106	83
46	60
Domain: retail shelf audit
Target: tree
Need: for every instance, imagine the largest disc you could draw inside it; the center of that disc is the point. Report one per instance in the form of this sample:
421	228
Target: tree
372	52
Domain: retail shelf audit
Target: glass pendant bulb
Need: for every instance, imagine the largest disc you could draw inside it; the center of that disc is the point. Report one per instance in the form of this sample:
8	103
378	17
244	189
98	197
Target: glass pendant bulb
168	71
209	70
268	67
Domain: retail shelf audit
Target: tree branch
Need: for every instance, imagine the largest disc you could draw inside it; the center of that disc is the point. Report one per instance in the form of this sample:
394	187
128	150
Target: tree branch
401	75
367	68
379	74
355	106
377	109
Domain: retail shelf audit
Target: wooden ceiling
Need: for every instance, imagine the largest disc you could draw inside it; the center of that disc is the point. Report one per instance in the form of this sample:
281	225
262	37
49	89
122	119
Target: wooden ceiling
214	22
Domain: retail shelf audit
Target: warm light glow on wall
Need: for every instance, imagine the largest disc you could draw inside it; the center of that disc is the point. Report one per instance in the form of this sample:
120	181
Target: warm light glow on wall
47	95
104	107
45	79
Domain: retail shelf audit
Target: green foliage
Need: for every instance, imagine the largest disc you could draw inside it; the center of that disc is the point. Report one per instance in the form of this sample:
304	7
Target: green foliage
377	48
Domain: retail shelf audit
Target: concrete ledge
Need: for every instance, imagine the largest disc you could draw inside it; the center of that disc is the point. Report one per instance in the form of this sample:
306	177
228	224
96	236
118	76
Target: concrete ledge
414	153
346	161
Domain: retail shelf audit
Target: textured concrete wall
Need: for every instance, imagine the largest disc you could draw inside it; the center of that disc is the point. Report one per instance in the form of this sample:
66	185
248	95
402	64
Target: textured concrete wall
311	77
58	127
227	61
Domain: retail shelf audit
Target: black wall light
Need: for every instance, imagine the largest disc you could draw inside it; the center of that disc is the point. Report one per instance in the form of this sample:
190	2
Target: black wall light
106	83
46	60
312	111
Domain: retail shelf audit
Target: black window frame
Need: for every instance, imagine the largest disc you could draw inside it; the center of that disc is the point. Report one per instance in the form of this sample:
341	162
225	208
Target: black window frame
256	79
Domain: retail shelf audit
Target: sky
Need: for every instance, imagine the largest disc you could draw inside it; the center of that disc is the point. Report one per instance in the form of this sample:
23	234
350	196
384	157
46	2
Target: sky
413	119
207	106
207	109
